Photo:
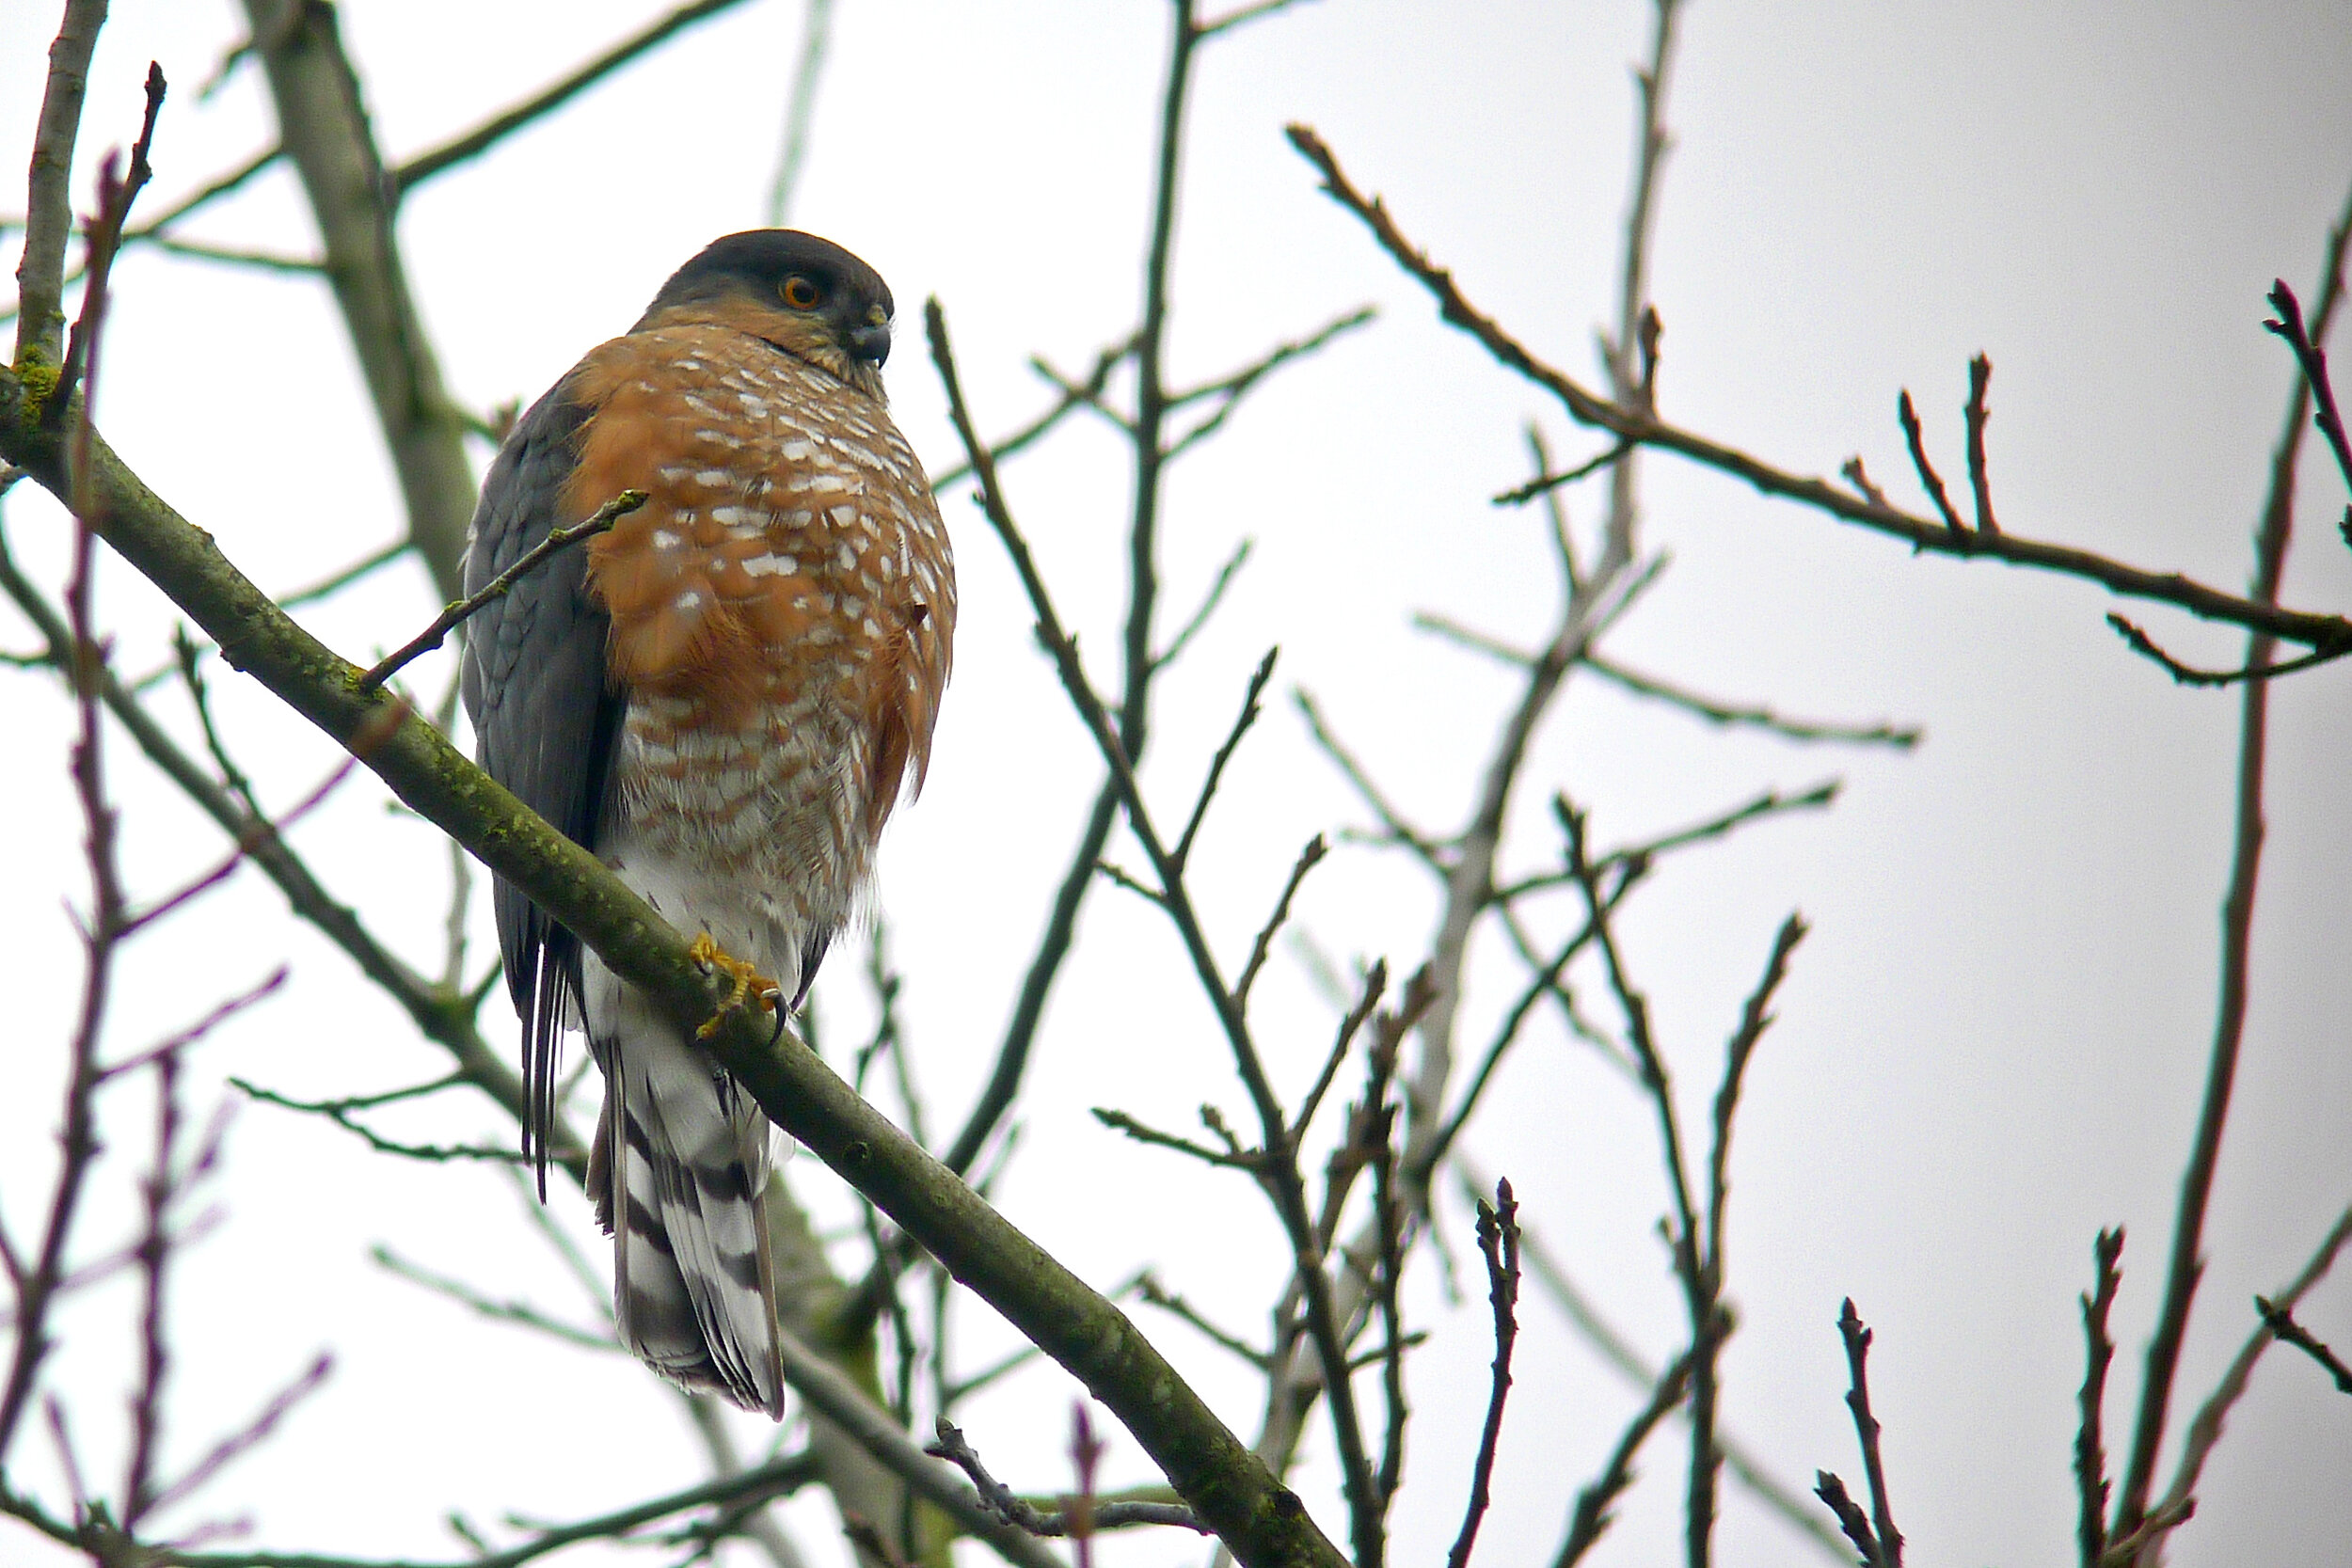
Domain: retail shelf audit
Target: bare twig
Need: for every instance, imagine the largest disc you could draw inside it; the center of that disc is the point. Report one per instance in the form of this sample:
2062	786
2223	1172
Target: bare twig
2313	358
1280	1173
1209	601
800	108
1979	378
1391	819
236	256
247	1437
2187	1265
1229	390
181	1039
339	1113
1711	1322
2090	1454
2190	675
324	128
1616	1349
1014	1510
1308	858
454	615
1081	393
1881	1543
1902	736
1119	1121
519	1312
1935	536
1592	1516
264	832
2280	1321
1499	1243
1545	484
104	235
1376	983
157	1189
1240	16
49	204
473	143
1249	716
1168	1301
1929	479
102	927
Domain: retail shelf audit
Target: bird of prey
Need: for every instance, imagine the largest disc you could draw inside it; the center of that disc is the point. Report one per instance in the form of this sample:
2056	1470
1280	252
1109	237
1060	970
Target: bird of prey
720	697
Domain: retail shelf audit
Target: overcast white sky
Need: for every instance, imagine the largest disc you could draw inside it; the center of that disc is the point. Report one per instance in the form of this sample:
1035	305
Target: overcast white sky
1992	1043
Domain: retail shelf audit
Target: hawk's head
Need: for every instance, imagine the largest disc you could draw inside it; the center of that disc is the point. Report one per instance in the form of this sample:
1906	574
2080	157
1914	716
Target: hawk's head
808	296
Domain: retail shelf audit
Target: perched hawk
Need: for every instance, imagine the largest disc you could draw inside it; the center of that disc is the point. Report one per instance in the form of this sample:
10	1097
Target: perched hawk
720	697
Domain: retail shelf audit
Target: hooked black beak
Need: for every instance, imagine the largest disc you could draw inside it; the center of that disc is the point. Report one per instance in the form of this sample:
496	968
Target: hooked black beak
871	340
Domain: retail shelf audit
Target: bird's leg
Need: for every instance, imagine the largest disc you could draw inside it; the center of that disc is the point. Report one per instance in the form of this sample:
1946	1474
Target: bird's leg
750	984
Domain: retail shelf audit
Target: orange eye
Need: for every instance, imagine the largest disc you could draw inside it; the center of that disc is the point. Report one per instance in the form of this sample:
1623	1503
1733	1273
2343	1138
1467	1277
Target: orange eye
799	292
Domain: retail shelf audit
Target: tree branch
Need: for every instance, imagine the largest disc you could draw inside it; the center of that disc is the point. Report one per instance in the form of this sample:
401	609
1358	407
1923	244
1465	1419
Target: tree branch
1933	536
1231	1489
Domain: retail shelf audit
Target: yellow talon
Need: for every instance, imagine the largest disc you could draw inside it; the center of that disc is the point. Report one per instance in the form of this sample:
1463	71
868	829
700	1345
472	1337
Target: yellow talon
750	984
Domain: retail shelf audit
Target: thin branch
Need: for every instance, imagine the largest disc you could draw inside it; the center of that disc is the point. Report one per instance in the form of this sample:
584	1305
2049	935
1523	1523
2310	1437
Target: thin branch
1249	716
1470	637
1637	858
1168	1301
49	202
1308	858
1119	1121
1935	536
157	1189
265	831
454	615
1390	818
1376	983
447	1021
246	1437
425	165
234	256
336	1113
1979	378
1545	484
1929	480
85	666
1618	1352
2090	1454
2205	1429
190	1034
1592	1517
1901	736
1241	17
327	135
2280	1321
105	240
2190	675
1499	1243
800	108
1229	390
1209	601
1881	1543
1280	1173
2187	1265
1635	1008
519	1312
1754	1018
1075	395
2313	358
1016	1510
